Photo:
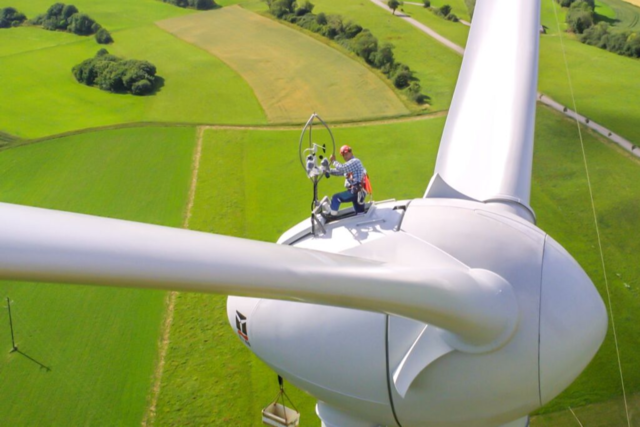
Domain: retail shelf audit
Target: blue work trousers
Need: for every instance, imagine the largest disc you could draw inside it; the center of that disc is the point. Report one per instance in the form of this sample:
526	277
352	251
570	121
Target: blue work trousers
344	197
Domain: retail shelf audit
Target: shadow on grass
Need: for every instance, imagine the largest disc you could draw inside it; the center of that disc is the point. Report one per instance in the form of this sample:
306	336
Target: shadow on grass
158	84
25	355
602	18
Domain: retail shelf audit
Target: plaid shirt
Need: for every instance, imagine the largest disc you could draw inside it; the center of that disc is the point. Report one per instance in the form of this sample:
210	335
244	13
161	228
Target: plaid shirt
353	171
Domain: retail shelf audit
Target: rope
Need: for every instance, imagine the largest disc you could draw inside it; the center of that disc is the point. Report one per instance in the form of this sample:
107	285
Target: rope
575	416
595	216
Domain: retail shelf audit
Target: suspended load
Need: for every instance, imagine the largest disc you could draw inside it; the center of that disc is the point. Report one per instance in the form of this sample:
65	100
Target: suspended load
277	414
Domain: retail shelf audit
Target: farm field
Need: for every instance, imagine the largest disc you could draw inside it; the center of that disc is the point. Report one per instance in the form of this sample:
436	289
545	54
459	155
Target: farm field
197	86
296	76
626	15
99	343
435	65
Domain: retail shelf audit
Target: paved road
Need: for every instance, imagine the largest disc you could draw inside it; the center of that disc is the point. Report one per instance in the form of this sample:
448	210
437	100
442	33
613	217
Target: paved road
607	133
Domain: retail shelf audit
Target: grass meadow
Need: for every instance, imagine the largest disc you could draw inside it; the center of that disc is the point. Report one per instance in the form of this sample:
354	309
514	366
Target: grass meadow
43	98
297	74
625	15
99	343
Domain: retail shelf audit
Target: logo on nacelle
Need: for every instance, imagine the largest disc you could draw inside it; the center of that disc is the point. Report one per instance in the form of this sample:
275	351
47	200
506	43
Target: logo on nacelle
241	326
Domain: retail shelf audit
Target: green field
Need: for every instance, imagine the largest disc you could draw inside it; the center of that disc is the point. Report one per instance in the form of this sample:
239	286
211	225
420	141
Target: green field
99	343
42	97
626	16
113	15
292	75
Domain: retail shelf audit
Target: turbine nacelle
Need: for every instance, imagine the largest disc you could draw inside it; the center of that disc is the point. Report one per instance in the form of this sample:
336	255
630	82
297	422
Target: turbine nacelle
432	375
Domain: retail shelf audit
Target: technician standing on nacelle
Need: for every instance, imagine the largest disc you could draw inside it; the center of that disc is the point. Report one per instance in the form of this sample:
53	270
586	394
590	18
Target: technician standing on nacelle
354	174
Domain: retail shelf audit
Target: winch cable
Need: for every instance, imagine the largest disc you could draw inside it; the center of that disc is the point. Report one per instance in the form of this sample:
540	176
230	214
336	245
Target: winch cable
593	207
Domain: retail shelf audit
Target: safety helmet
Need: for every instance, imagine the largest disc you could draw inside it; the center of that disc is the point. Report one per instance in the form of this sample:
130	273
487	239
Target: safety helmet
345	149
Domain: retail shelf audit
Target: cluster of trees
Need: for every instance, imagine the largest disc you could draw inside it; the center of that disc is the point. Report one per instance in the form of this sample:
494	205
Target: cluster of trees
582	20
444	11
66	17
194	4
581	14
355	38
621	42
118	75
10	17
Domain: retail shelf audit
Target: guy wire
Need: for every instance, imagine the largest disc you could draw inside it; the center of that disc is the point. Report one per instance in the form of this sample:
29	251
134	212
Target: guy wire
593	207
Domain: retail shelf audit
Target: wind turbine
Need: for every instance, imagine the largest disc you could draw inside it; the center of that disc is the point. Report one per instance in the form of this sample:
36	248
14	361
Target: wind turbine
450	310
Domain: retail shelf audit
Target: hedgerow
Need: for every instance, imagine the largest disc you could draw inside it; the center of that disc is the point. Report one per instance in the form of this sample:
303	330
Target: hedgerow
353	37
582	20
67	17
10	17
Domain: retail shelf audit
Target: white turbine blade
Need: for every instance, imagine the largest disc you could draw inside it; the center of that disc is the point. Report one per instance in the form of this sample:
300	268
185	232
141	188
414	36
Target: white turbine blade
52	246
487	146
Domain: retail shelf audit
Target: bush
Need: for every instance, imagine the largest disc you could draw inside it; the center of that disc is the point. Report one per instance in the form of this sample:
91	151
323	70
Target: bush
383	58
194	4
67	18
620	42
401	76
280	8
426	3
416	95
103	36
114	74
365	45
580	16
351	30
444	10
393	5
321	19
82	25
10	17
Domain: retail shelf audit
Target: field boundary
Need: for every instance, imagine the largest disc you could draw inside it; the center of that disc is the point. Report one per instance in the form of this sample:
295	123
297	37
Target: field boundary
14	141
163	347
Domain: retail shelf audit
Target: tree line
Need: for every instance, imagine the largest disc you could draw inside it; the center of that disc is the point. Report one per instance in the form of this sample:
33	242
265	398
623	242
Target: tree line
444	11
583	21
194	4
118	75
67	17
353	37
10	17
